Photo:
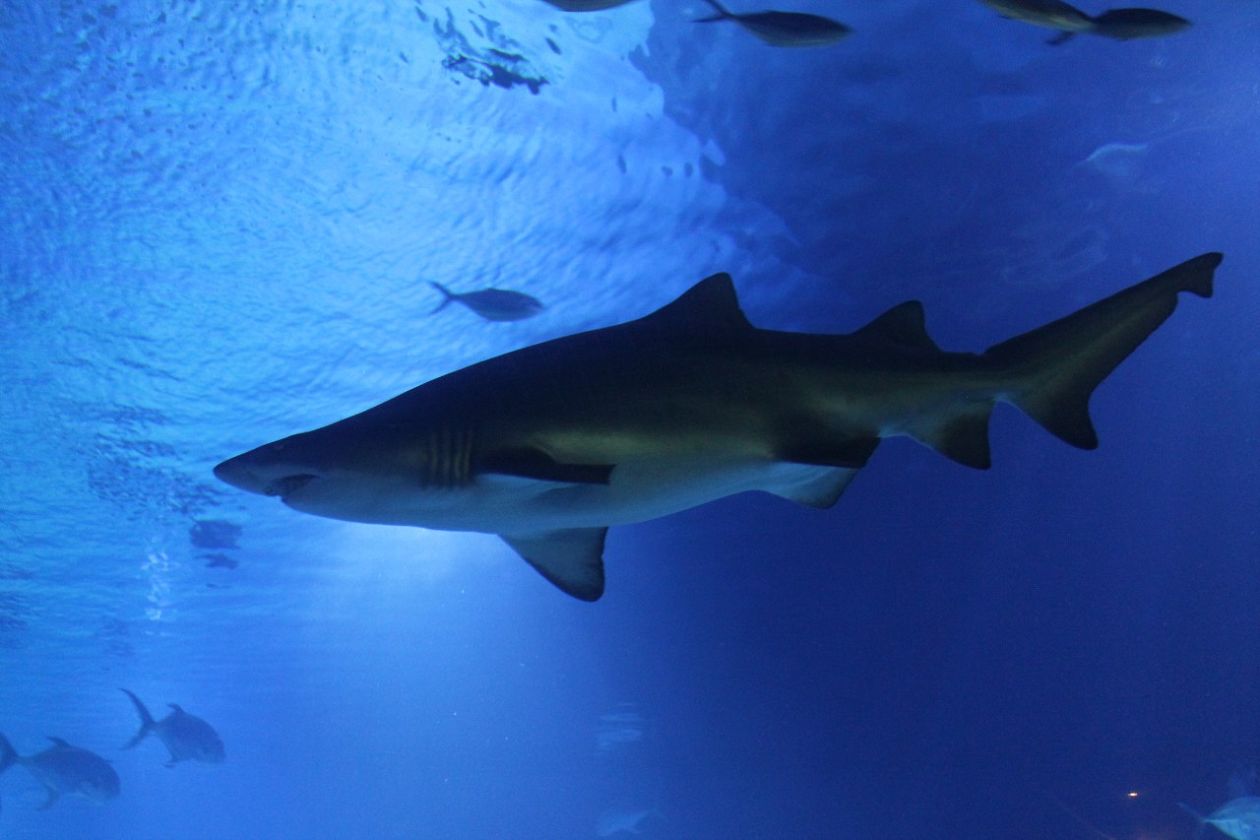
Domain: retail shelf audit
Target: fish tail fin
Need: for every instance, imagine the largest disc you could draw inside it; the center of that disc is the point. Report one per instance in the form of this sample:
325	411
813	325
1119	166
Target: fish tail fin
447	297
8	755
1053	370
146	720
722	13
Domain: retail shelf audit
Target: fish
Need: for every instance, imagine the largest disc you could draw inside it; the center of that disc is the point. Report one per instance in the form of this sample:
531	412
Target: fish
616	821
550	445
1052	14
491	304
783	29
1127	24
587	5
1239	818
186	737
65	770
1118	24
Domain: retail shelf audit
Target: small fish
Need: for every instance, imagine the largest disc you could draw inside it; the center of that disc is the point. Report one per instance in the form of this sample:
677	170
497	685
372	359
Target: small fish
1127	24
616	821
492	304
185	736
1118	24
587	5
783	29
1052	14
1117	160
1239	818
65	769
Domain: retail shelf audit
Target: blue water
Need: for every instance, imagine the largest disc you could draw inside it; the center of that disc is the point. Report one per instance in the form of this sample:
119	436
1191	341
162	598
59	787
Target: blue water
218	220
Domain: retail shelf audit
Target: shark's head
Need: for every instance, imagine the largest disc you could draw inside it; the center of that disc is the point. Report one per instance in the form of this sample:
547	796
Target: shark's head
280	468
343	471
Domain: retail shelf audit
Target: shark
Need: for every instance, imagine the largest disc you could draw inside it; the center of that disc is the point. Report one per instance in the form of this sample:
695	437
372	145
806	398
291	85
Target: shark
65	769
186	737
551	444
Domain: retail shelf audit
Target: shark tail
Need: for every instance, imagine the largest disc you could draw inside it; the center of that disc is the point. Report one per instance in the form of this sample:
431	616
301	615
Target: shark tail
447	297
146	721
722	13
8	755
1054	369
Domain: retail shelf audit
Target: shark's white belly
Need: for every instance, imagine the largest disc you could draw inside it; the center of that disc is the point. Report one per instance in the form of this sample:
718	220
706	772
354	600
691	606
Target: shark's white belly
501	504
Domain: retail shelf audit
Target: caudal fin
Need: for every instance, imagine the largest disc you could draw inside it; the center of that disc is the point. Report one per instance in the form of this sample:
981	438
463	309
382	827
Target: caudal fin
722	13
1054	369
447	297
8	755
146	720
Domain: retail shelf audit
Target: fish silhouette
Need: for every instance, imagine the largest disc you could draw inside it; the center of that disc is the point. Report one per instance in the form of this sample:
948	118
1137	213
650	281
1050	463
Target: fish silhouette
65	770
491	304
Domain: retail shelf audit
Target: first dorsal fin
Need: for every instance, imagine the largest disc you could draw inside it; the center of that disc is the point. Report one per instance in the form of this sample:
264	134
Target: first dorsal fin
709	306
904	324
61	742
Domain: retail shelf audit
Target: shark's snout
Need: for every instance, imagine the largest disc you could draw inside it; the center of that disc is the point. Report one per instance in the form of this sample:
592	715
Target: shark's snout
255	473
236	471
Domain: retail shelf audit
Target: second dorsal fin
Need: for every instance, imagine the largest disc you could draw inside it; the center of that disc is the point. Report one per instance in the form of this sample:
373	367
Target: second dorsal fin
904	324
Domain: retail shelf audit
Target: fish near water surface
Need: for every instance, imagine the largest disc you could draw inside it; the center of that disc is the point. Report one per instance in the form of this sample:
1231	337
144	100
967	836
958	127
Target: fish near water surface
1117	24
783	29
549	445
65	770
587	5
1127	24
186	737
491	304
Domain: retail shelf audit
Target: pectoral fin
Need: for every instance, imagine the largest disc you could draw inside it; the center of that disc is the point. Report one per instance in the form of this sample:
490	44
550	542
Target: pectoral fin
572	559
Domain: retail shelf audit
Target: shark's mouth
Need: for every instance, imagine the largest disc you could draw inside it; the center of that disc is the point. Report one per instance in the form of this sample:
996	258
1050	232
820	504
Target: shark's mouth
289	484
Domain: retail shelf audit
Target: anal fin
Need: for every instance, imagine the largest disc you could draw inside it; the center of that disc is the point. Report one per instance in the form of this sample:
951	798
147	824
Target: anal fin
822	490
572	559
